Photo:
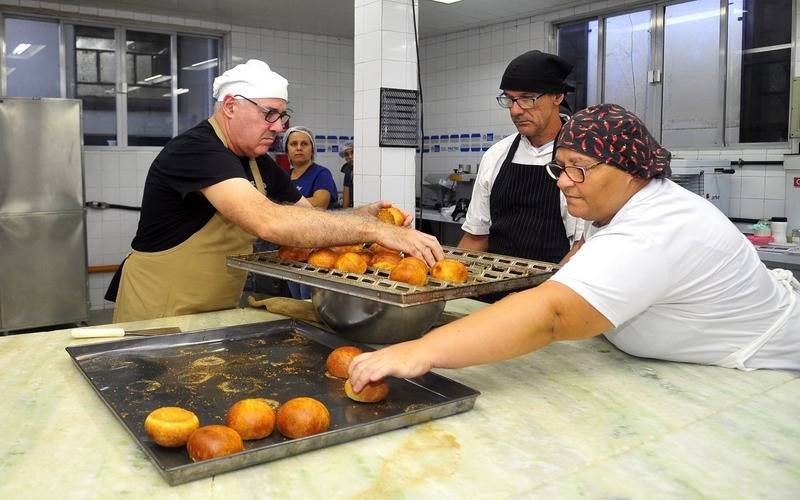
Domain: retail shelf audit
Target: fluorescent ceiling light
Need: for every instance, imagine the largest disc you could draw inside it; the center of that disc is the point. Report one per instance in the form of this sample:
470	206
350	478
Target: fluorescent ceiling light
155	79
447	1
198	66
19	49
25	51
177	92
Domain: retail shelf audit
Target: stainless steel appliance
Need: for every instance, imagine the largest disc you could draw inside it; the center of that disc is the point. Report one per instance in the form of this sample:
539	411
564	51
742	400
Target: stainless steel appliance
43	260
372	308
710	179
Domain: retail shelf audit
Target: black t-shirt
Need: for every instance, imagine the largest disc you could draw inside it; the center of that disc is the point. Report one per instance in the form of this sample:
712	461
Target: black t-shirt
173	208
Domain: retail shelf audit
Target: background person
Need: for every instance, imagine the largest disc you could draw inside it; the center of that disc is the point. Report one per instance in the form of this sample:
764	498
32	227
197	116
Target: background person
516	208
347	170
663	273
314	181
212	190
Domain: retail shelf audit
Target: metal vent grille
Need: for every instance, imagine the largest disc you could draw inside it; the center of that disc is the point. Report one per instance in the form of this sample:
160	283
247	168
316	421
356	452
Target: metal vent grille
398	123
692	182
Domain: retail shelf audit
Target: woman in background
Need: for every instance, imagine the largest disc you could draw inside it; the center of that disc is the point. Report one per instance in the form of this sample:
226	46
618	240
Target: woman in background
314	181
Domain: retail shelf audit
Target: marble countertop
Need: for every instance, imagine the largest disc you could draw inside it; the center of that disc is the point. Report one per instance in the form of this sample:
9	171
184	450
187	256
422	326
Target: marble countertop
577	419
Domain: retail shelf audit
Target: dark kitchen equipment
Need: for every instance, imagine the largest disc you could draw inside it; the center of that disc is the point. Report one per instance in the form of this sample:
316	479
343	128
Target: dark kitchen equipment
207	371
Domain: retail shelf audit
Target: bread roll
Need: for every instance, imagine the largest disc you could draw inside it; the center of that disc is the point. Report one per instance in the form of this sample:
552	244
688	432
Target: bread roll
410	270
391	215
351	262
450	270
378	248
339	360
385	260
251	418
301	417
371	393
170	426
324	257
294	253
213	441
348	248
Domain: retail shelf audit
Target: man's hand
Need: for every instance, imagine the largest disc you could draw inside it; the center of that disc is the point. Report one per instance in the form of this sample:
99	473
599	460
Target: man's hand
405	360
373	208
410	242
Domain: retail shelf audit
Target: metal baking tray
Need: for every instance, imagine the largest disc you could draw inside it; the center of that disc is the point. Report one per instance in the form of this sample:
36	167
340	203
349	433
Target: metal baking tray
207	371
487	273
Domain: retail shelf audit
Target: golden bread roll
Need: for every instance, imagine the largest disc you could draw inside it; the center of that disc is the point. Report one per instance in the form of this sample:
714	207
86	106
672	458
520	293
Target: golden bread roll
213	441
410	270
378	248
366	255
251	418
348	248
351	262
170	426
301	417
450	270
324	257
371	393
385	260
391	215
339	360
294	253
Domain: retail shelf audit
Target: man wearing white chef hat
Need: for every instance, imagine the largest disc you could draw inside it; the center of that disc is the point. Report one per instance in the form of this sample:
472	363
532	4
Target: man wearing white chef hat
212	190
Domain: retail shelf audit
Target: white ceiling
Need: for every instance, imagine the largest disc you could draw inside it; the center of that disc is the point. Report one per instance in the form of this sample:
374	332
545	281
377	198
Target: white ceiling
335	17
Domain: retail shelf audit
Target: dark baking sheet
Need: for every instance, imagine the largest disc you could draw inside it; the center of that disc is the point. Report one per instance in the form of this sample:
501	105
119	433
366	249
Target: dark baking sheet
207	371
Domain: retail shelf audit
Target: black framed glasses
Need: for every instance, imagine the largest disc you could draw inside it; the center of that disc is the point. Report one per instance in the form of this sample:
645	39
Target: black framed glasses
270	115
575	173
524	102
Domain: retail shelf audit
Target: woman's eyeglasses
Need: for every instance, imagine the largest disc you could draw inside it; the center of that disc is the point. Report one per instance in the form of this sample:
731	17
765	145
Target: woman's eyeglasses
270	115
575	173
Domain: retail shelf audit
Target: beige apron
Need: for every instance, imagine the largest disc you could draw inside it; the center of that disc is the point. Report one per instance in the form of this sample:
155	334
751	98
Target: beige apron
191	277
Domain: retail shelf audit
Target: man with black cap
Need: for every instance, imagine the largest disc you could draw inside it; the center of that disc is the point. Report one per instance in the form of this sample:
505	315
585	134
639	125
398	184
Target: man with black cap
516	208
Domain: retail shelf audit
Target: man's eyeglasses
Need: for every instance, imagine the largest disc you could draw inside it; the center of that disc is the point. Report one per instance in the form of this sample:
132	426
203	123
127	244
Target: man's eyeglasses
576	174
270	115
524	102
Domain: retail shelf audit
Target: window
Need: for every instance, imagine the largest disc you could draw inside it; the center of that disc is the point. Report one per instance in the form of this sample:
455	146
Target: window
31	58
577	42
671	66
138	88
198	61
149	81
91	65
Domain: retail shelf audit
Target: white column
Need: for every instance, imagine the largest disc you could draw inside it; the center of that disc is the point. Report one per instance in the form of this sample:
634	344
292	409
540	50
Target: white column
385	56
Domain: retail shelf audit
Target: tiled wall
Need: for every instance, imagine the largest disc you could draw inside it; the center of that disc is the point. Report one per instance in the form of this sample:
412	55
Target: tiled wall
461	75
320	74
384	58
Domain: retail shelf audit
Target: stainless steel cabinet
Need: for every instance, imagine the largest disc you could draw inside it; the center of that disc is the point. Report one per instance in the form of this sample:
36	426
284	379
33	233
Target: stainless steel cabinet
43	259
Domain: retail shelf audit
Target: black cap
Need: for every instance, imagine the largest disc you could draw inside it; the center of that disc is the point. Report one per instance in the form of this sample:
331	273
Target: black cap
537	71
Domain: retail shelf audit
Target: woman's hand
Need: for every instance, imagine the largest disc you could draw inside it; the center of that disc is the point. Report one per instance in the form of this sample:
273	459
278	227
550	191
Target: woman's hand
405	360
373	208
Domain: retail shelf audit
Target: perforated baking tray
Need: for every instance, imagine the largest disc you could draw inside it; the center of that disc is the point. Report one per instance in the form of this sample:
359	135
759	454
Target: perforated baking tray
207	371
487	273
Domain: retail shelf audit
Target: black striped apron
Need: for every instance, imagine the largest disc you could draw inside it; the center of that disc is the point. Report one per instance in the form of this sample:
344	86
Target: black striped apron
525	207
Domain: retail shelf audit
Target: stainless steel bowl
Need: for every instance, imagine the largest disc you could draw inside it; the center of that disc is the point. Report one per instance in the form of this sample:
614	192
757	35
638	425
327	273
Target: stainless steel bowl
373	322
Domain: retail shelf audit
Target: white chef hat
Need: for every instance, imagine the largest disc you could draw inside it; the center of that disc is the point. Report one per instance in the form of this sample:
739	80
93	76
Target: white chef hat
253	80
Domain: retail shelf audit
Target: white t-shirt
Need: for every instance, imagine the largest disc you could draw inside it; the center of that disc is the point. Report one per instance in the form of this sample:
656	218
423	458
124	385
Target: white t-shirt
479	219
680	283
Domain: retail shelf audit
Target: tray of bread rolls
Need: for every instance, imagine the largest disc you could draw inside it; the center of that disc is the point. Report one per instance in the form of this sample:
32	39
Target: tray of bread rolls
184	389
463	273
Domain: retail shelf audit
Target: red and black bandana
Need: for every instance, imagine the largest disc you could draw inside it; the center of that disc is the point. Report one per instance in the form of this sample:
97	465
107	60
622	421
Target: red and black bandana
616	137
